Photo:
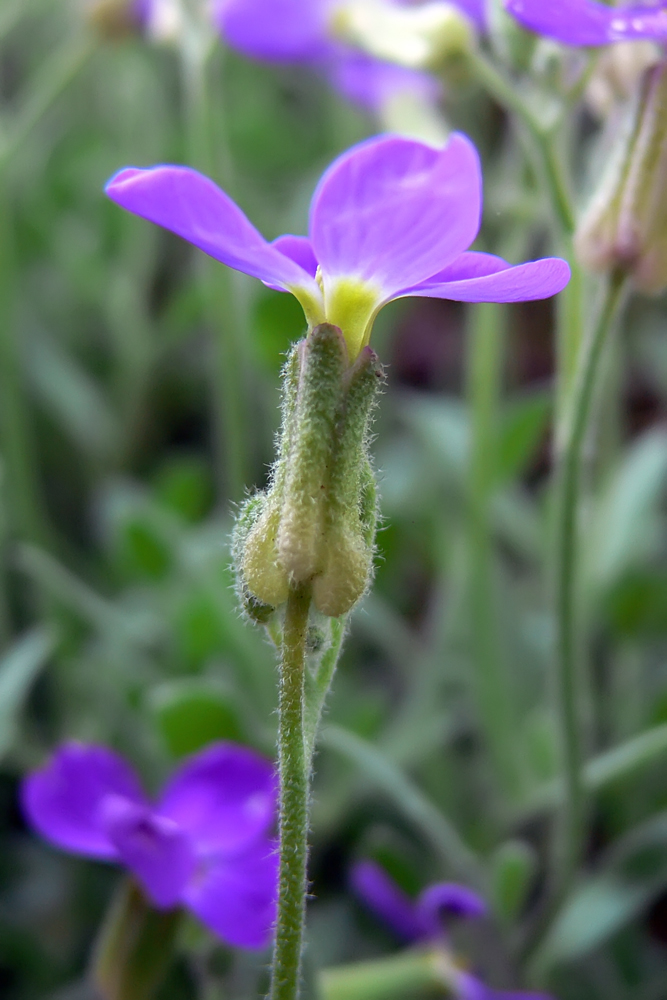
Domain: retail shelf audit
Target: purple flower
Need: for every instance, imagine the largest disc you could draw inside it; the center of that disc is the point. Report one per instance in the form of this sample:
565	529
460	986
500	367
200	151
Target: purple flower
421	921
587	22
304	31
390	218
206	844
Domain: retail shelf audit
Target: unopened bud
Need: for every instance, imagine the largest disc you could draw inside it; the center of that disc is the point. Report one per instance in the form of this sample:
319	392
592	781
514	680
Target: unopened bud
114	19
324	361
421	37
316	522
348	544
625	226
618	75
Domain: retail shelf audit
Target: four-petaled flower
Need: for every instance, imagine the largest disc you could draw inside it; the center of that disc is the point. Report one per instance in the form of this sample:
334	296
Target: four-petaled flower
390	218
590	23
420	922
206	844
305	31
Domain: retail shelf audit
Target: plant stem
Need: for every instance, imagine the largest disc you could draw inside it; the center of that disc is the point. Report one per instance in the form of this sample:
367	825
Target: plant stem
571	828
294	791
542	137
484	376
408	974
317	686
26	514
223	310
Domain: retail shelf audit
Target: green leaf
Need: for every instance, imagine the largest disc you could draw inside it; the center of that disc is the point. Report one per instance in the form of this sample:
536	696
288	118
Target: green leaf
19	669
625	528
634	873
189	714
523	426
513	868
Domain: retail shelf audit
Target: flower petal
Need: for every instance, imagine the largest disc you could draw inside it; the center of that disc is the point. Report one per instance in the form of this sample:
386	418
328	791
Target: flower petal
585	22
153	847
278	30
236	898
374	887
192	206
475	10
393	211
300	250
224	798
472	279
63	799
451	899
371	83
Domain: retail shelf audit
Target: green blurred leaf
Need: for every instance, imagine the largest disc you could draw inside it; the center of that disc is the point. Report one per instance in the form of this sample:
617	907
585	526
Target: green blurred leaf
637	605
633	873
189	714
523	426
513	868
19	668
625	528
73	397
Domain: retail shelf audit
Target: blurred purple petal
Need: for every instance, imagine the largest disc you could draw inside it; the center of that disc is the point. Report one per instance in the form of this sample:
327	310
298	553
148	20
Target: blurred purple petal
277	30
539	279
475	10
64	798
236	898
445	899
469	987
153	847
371	83
223	797
378	891
192	206
585	22
393	211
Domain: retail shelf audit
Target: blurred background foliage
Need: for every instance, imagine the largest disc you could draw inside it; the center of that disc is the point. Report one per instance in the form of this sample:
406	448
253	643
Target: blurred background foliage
138	394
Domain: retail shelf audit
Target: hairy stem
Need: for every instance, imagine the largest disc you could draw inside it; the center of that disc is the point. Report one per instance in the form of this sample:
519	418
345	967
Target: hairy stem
294	790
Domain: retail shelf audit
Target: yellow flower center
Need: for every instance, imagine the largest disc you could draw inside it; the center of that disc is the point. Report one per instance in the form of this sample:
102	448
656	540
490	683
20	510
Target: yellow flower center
352	305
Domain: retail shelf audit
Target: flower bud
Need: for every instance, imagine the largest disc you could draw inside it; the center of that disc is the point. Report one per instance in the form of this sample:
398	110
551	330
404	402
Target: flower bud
316	522
618	74
114	19
351	508
417	37
625	226
302	520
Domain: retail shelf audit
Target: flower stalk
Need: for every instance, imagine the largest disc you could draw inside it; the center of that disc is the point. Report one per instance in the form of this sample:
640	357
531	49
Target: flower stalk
294	763
571	437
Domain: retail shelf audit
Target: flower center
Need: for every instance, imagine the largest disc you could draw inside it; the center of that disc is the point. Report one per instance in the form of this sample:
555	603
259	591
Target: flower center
352	305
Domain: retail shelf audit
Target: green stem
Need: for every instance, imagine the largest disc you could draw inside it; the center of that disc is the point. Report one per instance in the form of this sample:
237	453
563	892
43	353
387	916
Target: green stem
408	974
484	376
571	829
317	686
544	146
294	791
26	513
223	308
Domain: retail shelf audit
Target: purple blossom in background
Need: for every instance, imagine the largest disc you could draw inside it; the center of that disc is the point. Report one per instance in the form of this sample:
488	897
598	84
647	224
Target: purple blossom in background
206	844
301	31
421	921
390	218
587	22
